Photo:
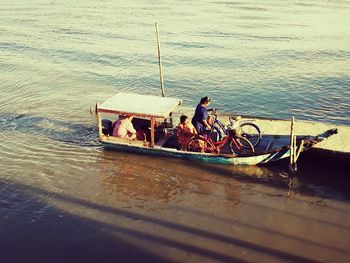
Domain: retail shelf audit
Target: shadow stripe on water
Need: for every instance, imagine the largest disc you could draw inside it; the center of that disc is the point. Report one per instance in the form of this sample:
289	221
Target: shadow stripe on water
36	192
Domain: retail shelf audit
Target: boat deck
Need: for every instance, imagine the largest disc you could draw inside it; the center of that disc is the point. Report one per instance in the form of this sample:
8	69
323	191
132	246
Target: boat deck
336	147
268	142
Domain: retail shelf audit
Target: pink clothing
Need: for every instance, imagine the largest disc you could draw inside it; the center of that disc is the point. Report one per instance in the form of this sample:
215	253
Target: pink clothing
124	129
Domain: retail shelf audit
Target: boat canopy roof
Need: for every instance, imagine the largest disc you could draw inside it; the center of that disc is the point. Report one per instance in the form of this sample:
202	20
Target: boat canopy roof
139	105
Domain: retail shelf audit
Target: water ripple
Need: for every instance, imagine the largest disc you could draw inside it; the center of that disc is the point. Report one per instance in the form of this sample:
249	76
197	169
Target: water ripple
271	59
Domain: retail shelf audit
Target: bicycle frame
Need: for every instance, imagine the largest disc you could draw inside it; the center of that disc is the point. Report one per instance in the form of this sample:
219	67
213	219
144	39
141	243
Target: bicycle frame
222	127
216	146
245	128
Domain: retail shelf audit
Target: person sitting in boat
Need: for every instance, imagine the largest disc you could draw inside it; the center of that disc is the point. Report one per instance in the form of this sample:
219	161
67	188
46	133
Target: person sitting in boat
185	130
200	118
124	128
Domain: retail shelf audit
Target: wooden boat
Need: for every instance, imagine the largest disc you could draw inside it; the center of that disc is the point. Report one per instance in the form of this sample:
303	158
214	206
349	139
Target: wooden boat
158	117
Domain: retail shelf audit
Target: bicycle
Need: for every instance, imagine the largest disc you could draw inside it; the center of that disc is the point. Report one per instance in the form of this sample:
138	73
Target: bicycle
204	143
245	129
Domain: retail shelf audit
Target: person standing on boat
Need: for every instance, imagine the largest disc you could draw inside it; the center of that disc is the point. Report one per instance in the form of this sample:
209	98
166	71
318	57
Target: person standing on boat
124	128
200	118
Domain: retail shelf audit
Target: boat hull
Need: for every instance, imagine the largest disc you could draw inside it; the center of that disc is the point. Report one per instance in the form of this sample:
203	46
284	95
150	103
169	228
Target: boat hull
303	142
204	157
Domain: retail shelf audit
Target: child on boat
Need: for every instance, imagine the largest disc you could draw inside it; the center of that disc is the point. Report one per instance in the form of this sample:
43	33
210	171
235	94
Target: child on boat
185	130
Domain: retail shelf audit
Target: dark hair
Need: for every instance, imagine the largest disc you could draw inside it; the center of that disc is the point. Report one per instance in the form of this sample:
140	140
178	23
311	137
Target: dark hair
183	118
205	100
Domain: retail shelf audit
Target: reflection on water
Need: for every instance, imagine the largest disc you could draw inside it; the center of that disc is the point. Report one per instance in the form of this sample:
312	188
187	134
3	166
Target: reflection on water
130	175
291	186
144	180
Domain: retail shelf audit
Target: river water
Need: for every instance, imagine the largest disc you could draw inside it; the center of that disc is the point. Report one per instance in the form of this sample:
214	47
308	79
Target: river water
64	199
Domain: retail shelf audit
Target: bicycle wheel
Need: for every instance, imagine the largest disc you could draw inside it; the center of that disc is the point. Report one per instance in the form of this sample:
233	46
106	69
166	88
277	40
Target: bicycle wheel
197	145
240	144
251	132
215	134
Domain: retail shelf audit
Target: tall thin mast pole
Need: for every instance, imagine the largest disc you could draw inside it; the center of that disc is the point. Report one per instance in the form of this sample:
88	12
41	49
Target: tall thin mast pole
160	62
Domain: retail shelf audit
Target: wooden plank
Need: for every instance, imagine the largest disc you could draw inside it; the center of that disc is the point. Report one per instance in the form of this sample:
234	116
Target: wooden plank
125	141
152	132
99	123
299	150
171	119
142	115
160	62
295	149
291	158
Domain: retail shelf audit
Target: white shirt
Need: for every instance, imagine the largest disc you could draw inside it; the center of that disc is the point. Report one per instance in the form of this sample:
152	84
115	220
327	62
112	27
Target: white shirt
123	129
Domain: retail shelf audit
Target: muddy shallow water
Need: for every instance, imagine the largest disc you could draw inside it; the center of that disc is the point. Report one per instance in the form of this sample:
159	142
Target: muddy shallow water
134	208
